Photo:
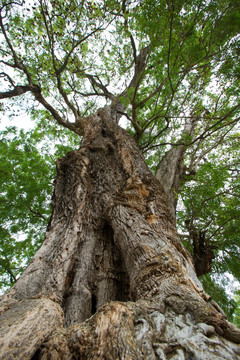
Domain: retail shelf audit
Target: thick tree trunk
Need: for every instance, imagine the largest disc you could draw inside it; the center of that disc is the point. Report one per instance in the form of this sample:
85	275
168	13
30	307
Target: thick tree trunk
111	280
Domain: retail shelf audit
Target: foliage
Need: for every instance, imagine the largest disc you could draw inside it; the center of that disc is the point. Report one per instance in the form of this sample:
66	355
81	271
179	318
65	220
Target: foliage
218	291
170	68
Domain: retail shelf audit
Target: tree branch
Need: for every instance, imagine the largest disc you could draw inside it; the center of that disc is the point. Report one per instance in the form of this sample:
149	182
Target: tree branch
50	35
18	90
134	48
204	134
140	66
100	85
55	114
221	226
219	194
38	214
8	269
169	49
156	91
4	75
13	66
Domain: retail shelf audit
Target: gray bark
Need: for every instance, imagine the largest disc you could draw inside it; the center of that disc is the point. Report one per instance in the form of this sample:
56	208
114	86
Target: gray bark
111	280
171	169
170	174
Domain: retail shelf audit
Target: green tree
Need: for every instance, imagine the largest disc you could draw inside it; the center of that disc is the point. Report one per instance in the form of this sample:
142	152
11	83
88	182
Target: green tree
112	249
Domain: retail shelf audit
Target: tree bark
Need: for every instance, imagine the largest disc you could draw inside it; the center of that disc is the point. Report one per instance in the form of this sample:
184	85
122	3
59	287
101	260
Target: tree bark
111	280
170	173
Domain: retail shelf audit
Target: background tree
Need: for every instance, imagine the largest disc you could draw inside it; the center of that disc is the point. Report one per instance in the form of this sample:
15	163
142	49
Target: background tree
170	69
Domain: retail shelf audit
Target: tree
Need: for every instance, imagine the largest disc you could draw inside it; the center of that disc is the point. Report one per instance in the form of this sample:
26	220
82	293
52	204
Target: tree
112	280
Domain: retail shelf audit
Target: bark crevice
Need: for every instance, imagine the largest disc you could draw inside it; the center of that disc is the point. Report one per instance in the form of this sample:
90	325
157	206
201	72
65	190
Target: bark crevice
111	279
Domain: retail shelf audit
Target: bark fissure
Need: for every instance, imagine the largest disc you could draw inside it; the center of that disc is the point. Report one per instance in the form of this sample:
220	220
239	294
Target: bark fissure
111	280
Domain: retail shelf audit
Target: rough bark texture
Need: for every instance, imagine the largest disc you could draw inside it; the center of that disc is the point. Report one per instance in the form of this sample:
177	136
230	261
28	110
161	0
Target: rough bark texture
111	280
170	173
171	169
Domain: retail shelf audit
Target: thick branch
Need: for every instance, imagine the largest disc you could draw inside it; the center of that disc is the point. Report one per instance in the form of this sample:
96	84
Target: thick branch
13	66
171	169
140	66
18	90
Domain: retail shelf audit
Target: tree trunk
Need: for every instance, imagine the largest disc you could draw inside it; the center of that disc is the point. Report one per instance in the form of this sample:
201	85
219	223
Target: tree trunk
170	173
111	280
